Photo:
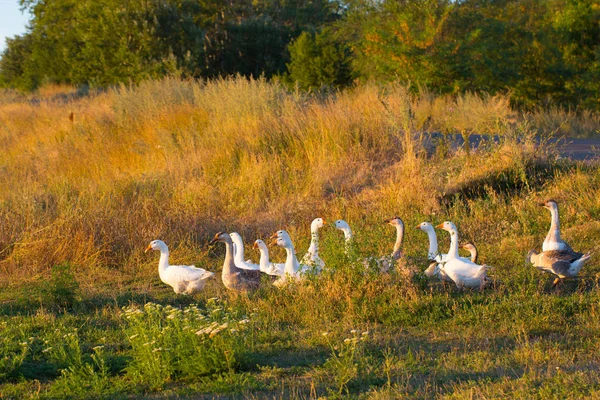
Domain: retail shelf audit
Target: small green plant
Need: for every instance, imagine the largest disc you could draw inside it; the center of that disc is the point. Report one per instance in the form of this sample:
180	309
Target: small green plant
85	376
169	343
62	290
344	365
12	355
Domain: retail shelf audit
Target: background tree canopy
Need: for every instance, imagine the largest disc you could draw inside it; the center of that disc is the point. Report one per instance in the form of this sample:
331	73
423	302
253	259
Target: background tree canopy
542	52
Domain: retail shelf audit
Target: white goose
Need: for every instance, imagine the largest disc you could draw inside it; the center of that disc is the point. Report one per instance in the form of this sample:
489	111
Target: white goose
463	272
293	270
182	278
266	265
384	263
435	256
471	248
238	253
312	255
553	240
349	241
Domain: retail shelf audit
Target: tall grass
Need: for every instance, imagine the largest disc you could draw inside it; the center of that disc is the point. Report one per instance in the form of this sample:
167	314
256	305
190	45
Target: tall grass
81	195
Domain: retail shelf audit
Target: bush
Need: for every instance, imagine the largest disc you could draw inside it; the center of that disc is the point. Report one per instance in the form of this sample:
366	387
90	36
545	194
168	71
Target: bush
169	343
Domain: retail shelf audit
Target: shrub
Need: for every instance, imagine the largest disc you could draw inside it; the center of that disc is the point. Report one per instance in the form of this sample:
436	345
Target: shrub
169	343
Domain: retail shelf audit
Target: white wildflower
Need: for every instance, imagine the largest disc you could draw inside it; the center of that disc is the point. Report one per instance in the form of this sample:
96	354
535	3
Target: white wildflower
46	349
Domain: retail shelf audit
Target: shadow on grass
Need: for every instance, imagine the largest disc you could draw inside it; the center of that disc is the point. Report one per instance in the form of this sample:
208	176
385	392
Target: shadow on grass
507	182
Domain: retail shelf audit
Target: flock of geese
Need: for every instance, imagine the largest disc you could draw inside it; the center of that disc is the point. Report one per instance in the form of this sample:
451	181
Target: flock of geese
241	275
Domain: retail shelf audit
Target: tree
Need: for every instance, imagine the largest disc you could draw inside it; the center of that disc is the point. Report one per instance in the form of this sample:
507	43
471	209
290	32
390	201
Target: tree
319	60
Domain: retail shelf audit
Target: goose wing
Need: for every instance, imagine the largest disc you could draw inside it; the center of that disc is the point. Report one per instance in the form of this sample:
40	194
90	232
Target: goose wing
188	273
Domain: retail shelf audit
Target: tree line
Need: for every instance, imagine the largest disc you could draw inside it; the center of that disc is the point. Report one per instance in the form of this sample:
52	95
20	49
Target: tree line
540	51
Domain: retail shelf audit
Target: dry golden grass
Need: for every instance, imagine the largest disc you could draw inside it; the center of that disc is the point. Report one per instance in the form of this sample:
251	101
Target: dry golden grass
88	181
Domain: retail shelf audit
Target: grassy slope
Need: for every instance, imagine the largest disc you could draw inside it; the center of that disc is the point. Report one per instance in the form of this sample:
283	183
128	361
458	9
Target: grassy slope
181	161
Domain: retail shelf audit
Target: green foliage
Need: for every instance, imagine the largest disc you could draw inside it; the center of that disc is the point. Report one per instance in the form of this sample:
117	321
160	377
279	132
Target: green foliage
15	71
82	373
62	290
347	361
319	60
169	343
102	43
12	355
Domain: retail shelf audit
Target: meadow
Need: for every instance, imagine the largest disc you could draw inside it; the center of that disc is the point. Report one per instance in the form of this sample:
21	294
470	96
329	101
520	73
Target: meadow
87	181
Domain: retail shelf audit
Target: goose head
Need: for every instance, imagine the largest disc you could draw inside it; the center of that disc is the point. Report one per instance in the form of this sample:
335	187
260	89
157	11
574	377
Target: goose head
448	226
281	234
531	255
317	223
236	237
221	237
341	224
157	245
282	239
432	270
550	205
259	244
470	247
396	221
425	227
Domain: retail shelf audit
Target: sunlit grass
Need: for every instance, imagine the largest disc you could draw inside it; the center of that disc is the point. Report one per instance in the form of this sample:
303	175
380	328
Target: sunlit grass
81	196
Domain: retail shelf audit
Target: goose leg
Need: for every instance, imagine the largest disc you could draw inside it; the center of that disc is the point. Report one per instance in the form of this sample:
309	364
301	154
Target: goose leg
556	282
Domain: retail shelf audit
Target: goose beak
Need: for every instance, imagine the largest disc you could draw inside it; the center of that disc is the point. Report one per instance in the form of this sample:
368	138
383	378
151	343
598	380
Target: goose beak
440	226
418	227
273	243
255	246
273	236
148	248
324	222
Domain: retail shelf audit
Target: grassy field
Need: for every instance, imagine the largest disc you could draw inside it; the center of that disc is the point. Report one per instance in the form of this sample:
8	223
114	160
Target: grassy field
87	182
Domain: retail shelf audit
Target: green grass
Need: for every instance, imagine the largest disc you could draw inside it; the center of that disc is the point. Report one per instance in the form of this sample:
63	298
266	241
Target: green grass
83	313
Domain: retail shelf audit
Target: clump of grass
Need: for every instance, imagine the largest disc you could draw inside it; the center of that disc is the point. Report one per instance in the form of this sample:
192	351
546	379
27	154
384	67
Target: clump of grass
347	360
169	343
12	355
62	289
82	373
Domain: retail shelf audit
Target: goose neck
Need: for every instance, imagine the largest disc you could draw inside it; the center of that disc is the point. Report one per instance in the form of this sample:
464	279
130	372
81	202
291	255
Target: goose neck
314	242
228	265
264	257
347	234
399	240
433	244
453	252
291	262
163	263
554	221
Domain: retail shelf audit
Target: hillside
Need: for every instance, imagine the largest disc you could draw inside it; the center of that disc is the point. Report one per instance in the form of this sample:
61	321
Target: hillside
88	181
